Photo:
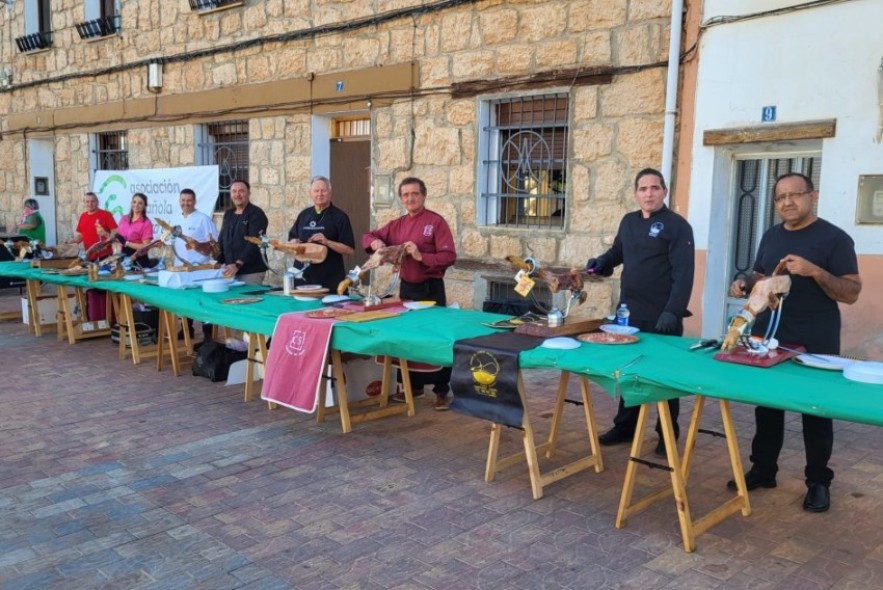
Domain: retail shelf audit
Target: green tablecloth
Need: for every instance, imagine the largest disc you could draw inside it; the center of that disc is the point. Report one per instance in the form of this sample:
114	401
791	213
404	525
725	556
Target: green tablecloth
666	368
257	317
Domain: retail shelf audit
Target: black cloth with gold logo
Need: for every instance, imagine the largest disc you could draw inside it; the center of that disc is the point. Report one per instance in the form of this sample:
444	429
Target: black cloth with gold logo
484	380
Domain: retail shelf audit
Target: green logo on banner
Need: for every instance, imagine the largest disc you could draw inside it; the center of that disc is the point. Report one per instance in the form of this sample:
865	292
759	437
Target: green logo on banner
108	194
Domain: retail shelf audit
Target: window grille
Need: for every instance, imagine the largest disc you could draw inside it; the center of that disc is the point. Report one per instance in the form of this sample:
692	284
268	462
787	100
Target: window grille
226	144
524	161
99	27
213	4
112	151
503	290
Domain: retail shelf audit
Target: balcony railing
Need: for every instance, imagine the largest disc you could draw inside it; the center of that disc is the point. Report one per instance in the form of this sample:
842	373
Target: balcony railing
99	27
203	5
34	41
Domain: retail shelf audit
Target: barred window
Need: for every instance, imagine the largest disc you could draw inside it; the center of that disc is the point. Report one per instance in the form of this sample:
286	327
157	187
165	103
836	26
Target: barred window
226	144
111	151
523	145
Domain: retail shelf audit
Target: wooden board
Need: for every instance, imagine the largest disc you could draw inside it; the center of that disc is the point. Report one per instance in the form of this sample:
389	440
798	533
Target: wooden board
389	302
774	357
566	329
206	266
52	262
318	293
367	316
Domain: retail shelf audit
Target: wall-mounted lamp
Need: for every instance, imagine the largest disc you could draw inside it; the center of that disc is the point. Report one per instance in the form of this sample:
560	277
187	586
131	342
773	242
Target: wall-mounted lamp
154	77
5	77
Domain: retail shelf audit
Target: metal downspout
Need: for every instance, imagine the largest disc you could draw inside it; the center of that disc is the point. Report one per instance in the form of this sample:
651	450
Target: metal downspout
671	88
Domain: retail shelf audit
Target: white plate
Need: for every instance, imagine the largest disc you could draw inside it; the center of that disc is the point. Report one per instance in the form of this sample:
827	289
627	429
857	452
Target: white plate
308	287
561	343
302	298
865	372
132	277
831	362
237	283
335	298
617	329
417	304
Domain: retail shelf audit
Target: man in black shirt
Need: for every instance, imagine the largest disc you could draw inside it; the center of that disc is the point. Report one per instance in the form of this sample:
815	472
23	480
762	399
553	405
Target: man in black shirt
240	258
655	247
325	224
824	272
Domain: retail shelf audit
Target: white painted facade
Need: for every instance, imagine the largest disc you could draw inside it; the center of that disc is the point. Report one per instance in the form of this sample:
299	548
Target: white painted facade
812	64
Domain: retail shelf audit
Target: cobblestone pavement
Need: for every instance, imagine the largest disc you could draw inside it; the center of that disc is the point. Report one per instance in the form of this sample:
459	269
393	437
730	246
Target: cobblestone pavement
117	476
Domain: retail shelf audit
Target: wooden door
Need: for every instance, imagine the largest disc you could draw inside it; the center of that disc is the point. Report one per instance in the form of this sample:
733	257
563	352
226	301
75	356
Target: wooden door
351	189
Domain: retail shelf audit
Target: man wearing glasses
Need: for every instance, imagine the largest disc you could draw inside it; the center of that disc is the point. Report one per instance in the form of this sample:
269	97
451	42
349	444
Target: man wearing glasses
824	272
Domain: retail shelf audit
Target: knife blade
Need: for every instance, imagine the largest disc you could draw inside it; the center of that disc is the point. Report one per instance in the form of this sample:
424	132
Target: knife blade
804	353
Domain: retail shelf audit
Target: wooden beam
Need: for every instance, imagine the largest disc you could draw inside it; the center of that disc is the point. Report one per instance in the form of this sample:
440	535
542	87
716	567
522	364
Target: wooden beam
572	77
771	133
324	93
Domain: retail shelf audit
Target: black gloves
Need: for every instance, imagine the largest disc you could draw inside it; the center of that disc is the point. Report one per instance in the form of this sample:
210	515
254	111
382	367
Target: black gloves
667	323
598	267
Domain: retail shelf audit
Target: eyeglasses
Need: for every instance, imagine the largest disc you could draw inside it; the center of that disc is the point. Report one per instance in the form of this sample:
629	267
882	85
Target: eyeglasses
781	198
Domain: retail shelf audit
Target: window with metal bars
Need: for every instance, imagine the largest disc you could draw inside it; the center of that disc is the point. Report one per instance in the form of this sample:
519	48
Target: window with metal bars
102	18
38	26
523	176
226	144
111	151
502	293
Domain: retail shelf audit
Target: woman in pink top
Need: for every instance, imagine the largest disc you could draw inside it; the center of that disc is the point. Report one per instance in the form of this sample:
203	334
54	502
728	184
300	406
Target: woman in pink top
136	229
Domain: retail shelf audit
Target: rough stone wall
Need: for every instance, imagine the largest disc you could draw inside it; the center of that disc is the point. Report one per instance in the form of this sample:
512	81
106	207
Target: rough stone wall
615	130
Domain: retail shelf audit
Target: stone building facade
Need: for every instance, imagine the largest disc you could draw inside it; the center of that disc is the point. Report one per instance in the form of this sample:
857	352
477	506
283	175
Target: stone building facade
428	77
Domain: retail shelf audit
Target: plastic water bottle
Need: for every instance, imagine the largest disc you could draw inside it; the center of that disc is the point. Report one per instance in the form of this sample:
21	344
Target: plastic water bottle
622	315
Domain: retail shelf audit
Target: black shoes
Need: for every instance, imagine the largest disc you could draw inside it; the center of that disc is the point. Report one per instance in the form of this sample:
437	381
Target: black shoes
660	448
615	436
818	498
754	480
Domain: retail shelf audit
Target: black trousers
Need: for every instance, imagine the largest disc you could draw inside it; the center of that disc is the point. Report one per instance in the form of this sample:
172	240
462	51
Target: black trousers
627	418
818	440
428	290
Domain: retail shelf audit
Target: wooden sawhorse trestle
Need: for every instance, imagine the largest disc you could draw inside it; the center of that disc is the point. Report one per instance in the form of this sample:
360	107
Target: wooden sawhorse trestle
680	471
381	405
539	480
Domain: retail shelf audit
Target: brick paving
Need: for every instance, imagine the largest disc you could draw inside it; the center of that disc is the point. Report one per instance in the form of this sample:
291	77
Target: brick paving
116	476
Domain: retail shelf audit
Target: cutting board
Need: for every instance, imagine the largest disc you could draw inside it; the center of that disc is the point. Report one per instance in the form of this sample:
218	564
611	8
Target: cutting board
317	293
367	316
740	356
565	329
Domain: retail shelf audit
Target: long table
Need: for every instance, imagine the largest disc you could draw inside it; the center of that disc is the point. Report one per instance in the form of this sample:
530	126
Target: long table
651	371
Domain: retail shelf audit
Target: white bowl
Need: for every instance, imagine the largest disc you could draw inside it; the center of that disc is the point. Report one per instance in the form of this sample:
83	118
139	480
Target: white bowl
216	286
864	371
617	329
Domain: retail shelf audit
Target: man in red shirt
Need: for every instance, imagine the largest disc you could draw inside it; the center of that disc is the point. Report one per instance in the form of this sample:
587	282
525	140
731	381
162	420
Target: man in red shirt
94	226
429	249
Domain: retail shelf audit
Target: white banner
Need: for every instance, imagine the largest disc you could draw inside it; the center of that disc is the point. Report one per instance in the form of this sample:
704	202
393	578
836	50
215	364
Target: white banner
161	185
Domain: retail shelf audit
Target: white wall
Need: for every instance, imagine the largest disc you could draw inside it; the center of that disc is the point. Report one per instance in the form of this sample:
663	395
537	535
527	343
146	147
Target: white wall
811	64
